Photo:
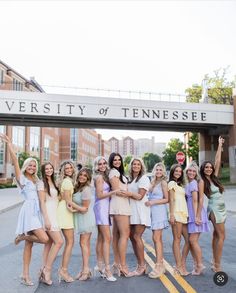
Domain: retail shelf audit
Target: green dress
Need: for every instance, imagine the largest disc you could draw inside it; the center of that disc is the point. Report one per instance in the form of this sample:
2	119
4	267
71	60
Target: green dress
84	223
216	204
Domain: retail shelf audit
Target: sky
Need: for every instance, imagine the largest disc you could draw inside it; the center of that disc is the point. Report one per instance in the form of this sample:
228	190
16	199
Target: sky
151	46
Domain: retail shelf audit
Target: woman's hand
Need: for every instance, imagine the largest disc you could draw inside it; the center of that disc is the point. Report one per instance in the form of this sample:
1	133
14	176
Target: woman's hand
4	138
47	225
172	219
148	203
198	220
70	208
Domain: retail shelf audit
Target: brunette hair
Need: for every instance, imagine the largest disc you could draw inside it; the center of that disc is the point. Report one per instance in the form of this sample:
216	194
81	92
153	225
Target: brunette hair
45	179
141	172
213	177
120	169
80	186
180	180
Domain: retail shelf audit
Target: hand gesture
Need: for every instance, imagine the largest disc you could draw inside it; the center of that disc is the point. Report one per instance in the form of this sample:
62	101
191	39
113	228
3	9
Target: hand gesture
221	141
4	138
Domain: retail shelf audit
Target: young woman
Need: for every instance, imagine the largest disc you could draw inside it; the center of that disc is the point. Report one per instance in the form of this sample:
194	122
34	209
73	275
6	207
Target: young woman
197	221
178	217
213	189
157	200
66	181
29	226
84	218
48	197
120	211
101	210
140	213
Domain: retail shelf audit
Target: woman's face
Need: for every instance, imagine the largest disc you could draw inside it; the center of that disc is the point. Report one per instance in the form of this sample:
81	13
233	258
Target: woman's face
68	170
83	177
191	173
117	162
159	172
49	170
208	169
31	168
102	165
136	166
177	173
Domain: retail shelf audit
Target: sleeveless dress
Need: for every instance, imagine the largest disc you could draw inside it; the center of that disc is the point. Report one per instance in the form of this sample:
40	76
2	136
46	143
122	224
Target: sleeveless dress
192	227
140	214
180	205
119	205
159	212
216	204
84	223
51	205
101	207
64	216
30	217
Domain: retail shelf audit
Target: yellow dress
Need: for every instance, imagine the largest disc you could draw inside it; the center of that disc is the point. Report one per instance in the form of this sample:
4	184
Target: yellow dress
180	204
64	216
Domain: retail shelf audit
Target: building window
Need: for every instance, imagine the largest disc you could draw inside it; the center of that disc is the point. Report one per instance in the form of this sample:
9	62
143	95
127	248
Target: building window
34	139
46	149
17	85
73	144
1	76
18	137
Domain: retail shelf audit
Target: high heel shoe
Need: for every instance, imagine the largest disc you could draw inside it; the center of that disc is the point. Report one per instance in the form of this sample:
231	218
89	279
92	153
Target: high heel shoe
141	270
124	271
64	276
198	270
158	271
216	268
98	269
180	271
115	269
26	281
85	275
46	276
19	238
107	274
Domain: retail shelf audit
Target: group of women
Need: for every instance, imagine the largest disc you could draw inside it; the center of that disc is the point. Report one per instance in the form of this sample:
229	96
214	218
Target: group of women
54	209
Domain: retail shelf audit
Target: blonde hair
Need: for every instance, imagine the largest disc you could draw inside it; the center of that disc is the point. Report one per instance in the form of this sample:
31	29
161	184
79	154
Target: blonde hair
142	171
96	172
154	178
62	175
26	164
194	165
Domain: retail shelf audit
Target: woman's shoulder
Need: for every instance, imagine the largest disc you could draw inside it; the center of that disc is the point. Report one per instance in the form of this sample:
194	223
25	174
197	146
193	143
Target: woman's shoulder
114	173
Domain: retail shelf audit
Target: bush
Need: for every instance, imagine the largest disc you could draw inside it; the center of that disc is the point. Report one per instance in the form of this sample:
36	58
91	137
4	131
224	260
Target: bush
7	185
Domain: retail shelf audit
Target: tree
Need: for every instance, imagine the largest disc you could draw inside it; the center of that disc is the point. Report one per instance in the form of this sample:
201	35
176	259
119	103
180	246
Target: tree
150	160
193	147
23	156
127	160
169	155
220	90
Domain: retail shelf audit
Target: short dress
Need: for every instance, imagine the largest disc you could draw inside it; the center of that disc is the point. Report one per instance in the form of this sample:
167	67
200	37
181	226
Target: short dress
119	205
180	204
65	216
140	214
84	223
159	212
51	205
101	207
30	217
192	227
216	204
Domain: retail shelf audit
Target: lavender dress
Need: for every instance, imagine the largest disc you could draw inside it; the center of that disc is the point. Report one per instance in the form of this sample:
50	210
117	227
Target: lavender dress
101	207
192	227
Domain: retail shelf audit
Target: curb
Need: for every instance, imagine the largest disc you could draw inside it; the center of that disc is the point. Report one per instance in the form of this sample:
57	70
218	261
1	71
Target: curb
10	207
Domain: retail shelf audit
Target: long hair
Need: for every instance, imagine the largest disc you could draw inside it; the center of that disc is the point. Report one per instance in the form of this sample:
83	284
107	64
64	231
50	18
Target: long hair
154	178
120	169
180	180
26	164
194	165
96	171
62	175
45	179
80	186
213	177
141	172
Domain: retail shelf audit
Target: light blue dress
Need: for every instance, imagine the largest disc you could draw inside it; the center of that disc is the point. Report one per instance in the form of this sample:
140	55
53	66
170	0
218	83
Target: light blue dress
159	214
84	223
30	217
216	204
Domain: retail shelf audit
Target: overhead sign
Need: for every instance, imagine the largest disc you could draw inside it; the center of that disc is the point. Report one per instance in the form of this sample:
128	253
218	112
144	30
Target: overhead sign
180	158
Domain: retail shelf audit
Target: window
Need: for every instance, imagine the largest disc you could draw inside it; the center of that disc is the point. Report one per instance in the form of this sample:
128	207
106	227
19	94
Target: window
46	149
18	137
34	139
73	143
17	85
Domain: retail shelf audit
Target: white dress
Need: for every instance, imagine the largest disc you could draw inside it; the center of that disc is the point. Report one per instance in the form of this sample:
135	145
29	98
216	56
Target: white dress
140	214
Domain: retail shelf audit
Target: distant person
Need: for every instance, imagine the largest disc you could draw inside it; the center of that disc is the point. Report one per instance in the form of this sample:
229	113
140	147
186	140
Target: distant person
48	198
79	166
101	208
157	201
66	182
138	186
197	220
178	217
211	186
29	225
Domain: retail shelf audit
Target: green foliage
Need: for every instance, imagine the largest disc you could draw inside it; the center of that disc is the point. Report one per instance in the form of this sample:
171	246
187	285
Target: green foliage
126	162
169	155
150	160
219	88
23	156
193	149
